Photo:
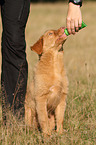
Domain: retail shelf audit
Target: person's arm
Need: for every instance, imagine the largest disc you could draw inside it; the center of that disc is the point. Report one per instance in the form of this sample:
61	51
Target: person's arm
74	16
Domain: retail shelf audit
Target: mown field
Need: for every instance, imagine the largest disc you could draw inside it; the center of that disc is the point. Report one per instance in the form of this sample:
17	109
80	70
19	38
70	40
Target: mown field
80	63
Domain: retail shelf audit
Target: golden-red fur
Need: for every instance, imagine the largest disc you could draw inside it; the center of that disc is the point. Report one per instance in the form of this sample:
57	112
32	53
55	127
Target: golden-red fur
49	87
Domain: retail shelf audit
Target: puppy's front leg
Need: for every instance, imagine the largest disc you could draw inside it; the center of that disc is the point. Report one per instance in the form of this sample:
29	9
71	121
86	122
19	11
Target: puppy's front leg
41	108
59	113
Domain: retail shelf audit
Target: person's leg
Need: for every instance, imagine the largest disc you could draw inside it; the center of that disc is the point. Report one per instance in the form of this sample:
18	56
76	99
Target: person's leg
14	15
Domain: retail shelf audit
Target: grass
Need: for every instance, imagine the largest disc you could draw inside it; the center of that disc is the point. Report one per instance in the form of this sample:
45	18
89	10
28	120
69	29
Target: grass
80	62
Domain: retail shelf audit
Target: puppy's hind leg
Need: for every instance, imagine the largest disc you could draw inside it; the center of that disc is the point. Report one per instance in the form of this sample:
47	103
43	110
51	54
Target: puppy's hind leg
28	116
30	112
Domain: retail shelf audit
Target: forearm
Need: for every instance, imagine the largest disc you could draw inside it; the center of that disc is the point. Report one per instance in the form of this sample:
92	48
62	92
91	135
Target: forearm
76	2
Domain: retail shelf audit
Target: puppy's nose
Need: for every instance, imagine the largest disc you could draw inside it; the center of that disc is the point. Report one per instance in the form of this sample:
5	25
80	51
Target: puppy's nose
62	28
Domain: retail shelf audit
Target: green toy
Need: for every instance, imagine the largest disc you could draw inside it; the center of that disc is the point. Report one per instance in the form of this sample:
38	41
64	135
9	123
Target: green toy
82	26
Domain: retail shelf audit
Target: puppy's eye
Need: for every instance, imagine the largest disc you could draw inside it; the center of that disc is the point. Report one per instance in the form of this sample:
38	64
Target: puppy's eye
50	33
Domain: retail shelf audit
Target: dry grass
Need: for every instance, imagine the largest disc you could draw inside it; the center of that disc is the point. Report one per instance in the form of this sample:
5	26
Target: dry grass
80	62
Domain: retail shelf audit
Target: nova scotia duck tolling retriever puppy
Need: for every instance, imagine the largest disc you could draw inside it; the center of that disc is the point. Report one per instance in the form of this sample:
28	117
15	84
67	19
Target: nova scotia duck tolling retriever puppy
45	106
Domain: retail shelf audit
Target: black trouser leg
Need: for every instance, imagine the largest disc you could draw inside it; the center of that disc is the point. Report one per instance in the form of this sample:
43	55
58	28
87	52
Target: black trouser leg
14	65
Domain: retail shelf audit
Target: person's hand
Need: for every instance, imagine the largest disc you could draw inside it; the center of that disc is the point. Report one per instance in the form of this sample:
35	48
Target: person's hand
74	18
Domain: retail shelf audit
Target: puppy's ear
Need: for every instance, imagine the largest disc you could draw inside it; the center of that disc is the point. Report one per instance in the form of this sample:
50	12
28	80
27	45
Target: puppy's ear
38	46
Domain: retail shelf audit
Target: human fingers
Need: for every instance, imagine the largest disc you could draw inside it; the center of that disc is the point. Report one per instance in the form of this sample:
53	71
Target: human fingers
80	22
72	26
68	25
76	25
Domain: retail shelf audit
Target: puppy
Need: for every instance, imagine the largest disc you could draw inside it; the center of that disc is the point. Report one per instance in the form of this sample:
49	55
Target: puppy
46	104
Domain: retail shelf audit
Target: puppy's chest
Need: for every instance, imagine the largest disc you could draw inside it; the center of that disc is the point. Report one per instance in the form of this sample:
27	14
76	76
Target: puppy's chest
58	67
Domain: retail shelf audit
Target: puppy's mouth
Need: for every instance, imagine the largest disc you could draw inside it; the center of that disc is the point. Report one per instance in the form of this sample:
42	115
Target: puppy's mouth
62	36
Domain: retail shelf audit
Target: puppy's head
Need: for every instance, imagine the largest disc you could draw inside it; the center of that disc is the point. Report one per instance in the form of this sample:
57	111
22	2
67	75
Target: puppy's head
53	39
